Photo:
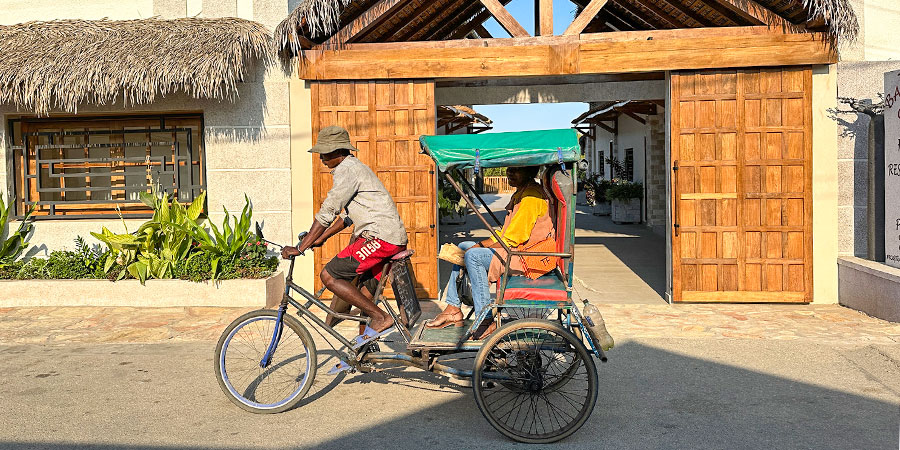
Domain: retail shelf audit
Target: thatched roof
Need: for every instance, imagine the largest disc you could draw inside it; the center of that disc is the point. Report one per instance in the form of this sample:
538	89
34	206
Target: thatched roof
417	20
61	64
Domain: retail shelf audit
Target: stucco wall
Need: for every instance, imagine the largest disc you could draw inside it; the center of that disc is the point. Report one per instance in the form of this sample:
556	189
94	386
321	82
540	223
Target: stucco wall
825	191
247	142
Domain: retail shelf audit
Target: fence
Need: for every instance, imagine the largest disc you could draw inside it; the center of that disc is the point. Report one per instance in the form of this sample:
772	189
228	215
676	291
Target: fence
496	185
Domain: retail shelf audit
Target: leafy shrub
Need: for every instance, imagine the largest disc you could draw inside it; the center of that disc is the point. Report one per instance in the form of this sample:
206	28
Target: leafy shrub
625	191
224	247
254	261
195	268
11	270
34	269
12	245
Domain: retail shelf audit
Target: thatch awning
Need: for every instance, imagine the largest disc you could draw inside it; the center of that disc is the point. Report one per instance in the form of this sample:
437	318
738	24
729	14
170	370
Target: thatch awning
61	64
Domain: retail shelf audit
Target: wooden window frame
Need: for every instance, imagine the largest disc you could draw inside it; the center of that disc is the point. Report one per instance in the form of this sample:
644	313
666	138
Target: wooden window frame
50	203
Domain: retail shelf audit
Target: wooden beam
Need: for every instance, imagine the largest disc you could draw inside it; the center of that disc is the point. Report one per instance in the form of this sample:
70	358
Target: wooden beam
690	13
449	29
634	116
602	53
366	21
483	32
543	17
408	30
583	19
761	13
438	26
506	20
605	127
640	14
663	16
739	18
615	21
634	22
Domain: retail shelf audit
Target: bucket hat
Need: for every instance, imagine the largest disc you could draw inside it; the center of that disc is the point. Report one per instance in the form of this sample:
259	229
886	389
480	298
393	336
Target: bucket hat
332	138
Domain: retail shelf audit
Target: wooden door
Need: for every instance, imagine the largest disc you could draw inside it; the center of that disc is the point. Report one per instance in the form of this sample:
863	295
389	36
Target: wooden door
385	120
742	185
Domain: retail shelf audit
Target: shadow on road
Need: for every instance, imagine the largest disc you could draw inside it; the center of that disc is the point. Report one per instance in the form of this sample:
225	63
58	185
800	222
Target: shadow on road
650	398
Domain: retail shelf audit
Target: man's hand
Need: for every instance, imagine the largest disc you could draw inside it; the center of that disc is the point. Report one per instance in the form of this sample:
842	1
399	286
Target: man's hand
289	252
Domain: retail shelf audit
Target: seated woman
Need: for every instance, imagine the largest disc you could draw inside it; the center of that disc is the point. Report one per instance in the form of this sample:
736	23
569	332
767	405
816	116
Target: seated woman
527	222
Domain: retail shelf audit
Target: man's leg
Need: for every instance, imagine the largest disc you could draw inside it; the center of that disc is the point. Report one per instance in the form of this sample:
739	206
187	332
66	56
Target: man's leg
342	288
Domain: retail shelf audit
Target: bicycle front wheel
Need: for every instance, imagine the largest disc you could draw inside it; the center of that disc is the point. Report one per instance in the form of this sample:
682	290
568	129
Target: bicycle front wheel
278	386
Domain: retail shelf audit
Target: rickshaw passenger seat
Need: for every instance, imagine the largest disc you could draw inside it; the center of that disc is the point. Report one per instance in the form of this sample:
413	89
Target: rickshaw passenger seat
550	287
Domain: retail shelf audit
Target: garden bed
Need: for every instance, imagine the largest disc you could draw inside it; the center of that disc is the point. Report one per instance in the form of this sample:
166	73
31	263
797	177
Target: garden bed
155	293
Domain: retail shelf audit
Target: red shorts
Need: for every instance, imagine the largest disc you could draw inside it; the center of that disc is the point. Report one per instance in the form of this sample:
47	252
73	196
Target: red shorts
362	257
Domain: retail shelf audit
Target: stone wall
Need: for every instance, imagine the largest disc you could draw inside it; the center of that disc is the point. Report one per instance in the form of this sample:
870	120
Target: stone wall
860	80
656	174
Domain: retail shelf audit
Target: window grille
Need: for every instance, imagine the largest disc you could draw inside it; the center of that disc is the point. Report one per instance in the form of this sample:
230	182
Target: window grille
629	164
97	167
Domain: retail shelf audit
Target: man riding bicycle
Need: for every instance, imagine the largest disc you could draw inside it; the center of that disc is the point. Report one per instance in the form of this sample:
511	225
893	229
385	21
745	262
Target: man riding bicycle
378	232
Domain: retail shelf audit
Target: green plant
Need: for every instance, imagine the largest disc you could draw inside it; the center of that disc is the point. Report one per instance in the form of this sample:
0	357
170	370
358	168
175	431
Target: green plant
625	190
601	186
450	203
616	167
254	261
155	249
224	247
34	268
12	245
195	268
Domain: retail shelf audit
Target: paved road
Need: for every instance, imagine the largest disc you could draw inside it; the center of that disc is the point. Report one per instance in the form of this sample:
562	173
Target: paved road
658	393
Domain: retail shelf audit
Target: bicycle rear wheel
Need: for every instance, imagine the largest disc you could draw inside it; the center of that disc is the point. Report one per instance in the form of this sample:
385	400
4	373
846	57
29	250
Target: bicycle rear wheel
534	381
284	382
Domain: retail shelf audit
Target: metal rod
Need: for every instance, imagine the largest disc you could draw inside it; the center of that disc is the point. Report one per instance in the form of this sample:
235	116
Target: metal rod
477	212
469	185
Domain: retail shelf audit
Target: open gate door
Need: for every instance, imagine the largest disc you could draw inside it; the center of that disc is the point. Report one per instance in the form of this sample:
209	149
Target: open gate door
385	120
741	148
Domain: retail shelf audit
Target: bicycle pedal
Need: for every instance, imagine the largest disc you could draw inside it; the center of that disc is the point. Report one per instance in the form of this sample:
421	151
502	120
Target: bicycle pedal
341	367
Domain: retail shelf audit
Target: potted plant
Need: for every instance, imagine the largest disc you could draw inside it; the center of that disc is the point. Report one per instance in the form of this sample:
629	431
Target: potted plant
626	201
451	207
602	206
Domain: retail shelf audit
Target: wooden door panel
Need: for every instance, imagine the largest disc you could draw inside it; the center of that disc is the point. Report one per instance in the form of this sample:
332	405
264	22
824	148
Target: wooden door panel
741	142
385	120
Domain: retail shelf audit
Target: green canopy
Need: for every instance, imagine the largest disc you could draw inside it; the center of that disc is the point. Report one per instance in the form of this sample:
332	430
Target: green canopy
520	148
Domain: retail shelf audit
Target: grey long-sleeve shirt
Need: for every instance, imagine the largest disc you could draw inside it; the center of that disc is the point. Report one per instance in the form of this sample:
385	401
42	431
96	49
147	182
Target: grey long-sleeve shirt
369	205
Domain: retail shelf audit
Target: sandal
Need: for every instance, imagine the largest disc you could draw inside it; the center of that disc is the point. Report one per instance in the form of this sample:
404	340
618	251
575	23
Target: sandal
445	320
484	330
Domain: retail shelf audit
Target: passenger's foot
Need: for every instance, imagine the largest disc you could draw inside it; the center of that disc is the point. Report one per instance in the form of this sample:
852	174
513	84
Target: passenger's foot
452	316
484	330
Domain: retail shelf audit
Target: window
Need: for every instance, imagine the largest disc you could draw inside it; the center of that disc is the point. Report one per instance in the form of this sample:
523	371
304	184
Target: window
600	164
96	167
629	164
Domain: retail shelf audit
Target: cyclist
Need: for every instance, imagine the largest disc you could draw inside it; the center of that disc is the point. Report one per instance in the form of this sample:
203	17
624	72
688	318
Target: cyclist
378	232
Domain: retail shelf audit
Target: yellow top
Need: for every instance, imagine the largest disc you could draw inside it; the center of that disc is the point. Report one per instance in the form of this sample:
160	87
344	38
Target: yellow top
532	205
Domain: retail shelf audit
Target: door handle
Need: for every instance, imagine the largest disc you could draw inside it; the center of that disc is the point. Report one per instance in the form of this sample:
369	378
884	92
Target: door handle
675	195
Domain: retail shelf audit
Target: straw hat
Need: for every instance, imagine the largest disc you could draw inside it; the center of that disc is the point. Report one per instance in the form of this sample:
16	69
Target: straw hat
333	138
452	254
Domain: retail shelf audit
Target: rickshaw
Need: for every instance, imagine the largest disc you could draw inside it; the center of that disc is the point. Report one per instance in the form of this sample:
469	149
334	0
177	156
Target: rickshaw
534	378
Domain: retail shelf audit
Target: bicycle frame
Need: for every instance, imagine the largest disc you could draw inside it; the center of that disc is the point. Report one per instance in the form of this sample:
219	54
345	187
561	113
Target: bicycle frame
314	300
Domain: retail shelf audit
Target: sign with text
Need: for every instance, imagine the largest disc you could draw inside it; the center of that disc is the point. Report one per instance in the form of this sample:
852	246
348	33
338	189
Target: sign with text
892	168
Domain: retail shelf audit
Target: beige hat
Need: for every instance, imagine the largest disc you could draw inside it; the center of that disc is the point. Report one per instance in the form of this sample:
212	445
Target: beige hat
452	254
332	138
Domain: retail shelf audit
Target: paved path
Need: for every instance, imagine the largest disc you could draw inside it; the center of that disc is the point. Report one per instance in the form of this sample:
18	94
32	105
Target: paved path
818	323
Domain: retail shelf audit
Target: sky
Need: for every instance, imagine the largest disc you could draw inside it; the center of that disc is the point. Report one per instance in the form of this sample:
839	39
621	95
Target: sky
536	116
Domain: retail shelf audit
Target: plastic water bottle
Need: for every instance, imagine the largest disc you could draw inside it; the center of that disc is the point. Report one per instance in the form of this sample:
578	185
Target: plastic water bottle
597	327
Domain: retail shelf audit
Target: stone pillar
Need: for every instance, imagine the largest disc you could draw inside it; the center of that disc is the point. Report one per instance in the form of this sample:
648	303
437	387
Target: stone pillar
655	184
892	168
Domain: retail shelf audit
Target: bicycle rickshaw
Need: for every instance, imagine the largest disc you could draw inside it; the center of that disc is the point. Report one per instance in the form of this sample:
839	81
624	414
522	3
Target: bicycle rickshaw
534	378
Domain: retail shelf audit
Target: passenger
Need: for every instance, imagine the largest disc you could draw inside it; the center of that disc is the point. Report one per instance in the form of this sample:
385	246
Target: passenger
527	222
378	232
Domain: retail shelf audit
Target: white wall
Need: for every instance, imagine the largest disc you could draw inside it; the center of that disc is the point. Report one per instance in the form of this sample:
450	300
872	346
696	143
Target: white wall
633	134
882	21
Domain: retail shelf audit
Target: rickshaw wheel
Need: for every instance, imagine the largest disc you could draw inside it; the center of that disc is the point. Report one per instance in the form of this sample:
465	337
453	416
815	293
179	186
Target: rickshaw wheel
534	381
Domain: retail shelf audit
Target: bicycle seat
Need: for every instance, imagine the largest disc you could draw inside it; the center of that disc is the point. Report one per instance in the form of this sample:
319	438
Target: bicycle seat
404	254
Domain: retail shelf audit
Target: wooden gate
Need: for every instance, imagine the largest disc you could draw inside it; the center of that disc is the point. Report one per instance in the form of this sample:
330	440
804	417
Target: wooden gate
385	120
742	185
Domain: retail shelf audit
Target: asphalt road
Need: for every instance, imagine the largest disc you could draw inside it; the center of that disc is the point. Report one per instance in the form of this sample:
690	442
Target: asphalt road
656	394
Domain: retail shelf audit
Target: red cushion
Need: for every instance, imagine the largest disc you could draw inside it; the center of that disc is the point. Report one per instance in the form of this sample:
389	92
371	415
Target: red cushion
547	287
